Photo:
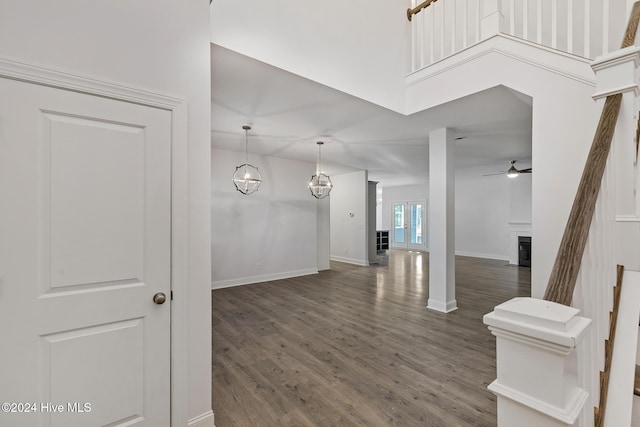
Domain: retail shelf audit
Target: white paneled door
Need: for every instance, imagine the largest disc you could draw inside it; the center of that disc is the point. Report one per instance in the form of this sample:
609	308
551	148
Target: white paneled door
85	248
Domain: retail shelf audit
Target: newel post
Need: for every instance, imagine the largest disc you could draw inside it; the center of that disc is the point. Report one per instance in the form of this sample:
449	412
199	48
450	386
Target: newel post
537	347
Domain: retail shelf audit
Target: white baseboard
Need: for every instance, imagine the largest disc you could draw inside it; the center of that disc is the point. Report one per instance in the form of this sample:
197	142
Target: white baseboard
262	278
441	306
466	253
203	420
482	255
363	262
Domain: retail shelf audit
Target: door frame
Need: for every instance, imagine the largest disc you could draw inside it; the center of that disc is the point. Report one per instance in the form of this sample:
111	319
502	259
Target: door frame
407	244
419	246
393	243
28	73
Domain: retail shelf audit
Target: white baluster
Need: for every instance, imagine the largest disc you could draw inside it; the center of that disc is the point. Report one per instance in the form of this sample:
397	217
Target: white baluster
478	18
465	20
570	13
512	17
587	29
525	20
453	20
554	24
606	7
440	6
432	33
539	22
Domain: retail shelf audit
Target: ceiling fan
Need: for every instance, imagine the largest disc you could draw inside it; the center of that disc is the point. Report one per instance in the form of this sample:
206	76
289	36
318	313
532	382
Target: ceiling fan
512	172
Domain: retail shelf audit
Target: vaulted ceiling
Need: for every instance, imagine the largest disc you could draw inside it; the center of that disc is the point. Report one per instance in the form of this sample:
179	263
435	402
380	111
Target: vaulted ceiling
289	114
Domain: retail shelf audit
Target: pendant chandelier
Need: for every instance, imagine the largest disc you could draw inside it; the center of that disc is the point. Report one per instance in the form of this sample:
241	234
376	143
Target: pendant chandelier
247	177
320	184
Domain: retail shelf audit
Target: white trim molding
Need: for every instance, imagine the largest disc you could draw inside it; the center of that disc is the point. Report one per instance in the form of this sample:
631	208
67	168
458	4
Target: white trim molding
616	72
60	79
483	255
442	307
555	61
204	420
351	260
567	415
240	281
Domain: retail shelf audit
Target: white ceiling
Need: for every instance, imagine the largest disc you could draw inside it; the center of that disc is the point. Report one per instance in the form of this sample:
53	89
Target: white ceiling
289	114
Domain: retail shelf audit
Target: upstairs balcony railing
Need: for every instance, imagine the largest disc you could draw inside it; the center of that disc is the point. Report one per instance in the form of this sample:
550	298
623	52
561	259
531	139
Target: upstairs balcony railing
586	28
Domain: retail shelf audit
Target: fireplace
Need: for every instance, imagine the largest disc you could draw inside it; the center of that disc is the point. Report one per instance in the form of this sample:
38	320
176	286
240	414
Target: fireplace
517	230
524	251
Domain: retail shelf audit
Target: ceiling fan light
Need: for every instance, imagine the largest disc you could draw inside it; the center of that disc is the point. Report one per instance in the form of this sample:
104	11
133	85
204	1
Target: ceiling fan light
513	172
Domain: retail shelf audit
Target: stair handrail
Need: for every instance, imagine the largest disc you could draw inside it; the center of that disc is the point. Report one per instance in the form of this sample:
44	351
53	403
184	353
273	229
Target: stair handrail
565	270
418	8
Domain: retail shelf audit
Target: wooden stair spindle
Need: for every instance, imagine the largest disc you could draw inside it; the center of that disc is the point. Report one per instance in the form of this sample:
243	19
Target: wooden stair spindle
599	412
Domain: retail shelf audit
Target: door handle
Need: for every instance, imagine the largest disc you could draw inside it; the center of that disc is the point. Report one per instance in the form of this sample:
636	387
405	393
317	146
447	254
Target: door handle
159	298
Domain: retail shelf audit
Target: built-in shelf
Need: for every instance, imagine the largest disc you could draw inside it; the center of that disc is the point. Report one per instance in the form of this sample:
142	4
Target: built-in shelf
382	240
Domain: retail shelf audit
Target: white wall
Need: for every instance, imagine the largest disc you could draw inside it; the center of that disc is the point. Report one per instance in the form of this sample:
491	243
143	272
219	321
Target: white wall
368	39
161	46
349	218
267	235
521	194
564	120
482	216
483	211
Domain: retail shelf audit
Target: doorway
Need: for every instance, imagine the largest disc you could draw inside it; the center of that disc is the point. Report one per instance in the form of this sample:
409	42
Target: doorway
408	228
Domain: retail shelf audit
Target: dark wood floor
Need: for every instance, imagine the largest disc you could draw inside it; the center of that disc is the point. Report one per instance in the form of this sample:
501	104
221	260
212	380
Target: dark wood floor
355	346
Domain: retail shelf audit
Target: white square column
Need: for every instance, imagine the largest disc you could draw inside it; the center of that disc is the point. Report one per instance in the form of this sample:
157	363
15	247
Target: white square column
442	276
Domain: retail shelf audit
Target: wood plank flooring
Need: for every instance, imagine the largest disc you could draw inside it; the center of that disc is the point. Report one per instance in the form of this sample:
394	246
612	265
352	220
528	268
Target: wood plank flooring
355	346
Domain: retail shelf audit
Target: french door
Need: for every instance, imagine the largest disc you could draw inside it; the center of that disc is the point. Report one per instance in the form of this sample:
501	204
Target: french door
408	228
